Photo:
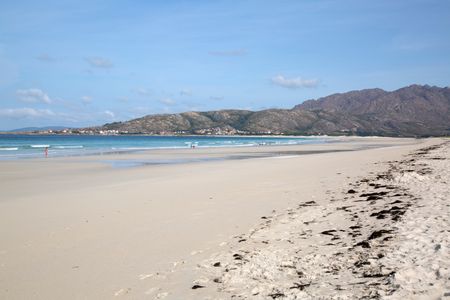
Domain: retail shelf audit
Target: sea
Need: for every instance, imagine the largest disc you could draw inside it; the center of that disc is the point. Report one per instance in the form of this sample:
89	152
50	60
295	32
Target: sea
19	146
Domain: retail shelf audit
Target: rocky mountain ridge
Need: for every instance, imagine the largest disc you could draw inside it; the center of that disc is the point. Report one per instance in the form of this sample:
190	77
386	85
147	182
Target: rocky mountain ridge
410	111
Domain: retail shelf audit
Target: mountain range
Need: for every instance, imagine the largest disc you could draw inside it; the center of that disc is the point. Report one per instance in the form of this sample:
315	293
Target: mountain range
416	110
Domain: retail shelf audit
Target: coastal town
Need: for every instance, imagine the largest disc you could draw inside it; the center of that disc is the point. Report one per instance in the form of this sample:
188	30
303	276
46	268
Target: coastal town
102	131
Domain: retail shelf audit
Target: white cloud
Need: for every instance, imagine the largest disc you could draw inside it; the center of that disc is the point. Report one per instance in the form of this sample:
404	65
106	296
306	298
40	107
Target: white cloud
186	92
236	52
26	112
99	62
86	99
294	83
168	101
33	96
47	115
109	114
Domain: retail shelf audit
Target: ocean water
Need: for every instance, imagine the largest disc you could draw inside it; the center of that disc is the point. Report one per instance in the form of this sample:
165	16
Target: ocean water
14	146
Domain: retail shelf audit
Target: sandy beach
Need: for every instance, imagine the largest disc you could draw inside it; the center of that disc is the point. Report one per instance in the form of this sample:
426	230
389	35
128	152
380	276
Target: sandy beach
359	217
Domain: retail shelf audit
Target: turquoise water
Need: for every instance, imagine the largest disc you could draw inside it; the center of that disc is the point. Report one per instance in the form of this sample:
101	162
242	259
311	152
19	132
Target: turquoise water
31	146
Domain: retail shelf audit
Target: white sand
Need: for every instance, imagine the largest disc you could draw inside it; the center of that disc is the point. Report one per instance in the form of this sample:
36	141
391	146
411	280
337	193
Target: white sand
74	228
311	251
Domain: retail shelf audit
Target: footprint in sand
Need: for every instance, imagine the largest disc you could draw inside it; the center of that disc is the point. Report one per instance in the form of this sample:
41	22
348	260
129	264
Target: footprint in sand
162	295
122	292
145	276
177	263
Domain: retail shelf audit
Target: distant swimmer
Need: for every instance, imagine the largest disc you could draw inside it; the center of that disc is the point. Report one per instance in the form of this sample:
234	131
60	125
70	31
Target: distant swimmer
46	151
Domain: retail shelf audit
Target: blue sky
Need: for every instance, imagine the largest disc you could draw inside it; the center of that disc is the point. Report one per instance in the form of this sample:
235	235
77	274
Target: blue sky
80	63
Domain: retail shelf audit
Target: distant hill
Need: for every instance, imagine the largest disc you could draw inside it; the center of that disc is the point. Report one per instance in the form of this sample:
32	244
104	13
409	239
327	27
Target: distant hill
410	111
31	129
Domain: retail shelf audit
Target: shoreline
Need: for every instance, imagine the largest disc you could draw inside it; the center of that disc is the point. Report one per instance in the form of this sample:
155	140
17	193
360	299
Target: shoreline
99	232
385	141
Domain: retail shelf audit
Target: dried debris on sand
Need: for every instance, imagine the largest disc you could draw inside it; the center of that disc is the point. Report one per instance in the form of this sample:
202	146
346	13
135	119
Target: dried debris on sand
387	236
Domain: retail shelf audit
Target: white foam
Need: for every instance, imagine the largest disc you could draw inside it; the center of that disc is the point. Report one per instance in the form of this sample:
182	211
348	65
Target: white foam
68	147
39	146
9	149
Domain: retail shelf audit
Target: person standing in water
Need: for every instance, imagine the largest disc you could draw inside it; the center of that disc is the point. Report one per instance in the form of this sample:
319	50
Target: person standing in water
46	151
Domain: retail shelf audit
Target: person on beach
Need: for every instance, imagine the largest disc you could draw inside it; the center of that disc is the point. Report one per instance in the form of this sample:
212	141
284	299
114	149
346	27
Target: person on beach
46	151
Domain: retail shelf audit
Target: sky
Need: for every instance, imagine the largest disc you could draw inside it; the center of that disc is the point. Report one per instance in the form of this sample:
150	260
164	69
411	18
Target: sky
83	63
